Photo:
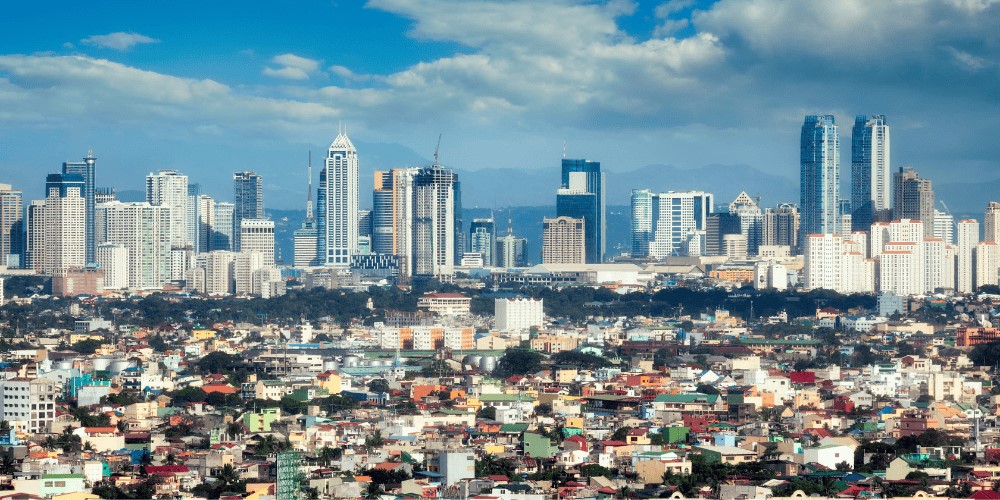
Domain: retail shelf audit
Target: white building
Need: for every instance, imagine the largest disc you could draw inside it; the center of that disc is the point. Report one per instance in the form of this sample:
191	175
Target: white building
29	405
113	259
257	235
770	275
56	226
168	188
967	236
245	264
681	223
944	226
218	272
518	313
901	269
338	203
456	466
145	230
987	263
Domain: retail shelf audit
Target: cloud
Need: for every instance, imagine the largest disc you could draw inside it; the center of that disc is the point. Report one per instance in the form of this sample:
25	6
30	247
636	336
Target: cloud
118	40
292	67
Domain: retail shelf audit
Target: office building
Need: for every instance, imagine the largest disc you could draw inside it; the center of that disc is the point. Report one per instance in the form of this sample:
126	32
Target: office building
104	195
780	226
222	226
870	171
194	216
57	226
511	250
564	241
205	218
169	188
747	212
820	176
219	271
944	227
145	230
87	169
913	198
641	221
257	235
581	196
29	404
113	259
337	209
482	239
305	239
435	191
248	200
967	237
677	220
11	227
991	222
393	209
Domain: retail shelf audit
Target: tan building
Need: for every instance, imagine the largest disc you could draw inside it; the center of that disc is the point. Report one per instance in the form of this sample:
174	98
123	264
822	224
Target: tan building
554	343
445	304
563	241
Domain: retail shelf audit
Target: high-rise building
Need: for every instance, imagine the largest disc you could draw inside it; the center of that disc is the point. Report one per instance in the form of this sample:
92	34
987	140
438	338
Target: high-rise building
169	188
145	230
435	190
482	239
514	314
991	222
678	219
393	208
511	249
205	217
248	200
57	226
364	232
987	264
222	226
837	263
581	196
87	168
780	226
642	221
913	198
104	195
257	235
305	238
563	241
717	227
967	237
11	226
747	212
820	176
337	208
944	227
28	404
870	188
113	259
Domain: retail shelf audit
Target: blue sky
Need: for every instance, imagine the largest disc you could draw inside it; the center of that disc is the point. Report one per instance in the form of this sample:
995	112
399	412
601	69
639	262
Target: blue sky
212	87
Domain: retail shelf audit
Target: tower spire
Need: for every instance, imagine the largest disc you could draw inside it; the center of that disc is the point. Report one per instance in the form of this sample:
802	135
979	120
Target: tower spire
309	196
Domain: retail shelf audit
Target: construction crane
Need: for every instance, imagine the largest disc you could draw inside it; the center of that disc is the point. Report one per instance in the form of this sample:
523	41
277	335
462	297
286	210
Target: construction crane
436	149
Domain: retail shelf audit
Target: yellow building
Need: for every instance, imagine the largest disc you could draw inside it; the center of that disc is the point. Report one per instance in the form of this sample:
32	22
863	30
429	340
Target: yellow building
202	334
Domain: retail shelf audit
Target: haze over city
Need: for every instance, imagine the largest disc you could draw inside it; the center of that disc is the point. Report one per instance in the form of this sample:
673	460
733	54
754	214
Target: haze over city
211	88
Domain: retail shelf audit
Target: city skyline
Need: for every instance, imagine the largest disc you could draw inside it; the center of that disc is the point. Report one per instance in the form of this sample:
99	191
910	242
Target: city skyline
129	85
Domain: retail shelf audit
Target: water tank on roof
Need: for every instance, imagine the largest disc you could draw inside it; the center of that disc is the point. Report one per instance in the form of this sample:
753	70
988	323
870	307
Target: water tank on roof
488	364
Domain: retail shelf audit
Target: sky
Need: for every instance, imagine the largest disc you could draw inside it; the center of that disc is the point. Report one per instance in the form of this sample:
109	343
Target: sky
213	87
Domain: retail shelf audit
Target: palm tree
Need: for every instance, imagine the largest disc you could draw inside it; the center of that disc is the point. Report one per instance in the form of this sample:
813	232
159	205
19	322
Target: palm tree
326	455
4	427
373	491
171	459
7	465
228	475
234	430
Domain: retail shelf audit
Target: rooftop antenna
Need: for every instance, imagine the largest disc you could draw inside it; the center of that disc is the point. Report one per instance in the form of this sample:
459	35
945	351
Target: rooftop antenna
564	150
436	150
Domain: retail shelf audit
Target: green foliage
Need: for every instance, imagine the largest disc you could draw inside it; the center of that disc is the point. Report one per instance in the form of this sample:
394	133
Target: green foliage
188	395
985	354
620	433
219	362
382	477
227	482
487	412
491	465
144	489
88	346
579	360
89	419
157	343
518	362
593	470
379	385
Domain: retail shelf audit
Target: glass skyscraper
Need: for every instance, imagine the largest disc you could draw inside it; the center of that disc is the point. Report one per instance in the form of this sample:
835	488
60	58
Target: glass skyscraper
248	198
582	196
820	176
87	168
870	178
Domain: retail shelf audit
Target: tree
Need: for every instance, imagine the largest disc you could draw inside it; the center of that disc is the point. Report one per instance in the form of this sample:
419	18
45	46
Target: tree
491	465
379	385
518	362
487	413
219	362
593	470
375	440
620	433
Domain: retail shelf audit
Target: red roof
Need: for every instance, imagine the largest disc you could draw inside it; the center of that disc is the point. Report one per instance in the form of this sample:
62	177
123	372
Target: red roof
985	495
166	470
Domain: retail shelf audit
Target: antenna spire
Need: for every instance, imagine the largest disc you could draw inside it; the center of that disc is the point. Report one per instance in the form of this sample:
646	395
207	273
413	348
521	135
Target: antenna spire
437	149
309	196
564	150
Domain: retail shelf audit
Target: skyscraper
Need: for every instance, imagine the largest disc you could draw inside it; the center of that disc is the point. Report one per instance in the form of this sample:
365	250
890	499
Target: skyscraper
305	238
435	191
991	222
748	213
248	199
563	240
511	249
222	226
11	226
781	226
967	237
87	168
393	208
145	231
338	204
56	226
257	235
642	221
913	198
870	188
820	175
482	239
169	188
203	223
677	222
581	196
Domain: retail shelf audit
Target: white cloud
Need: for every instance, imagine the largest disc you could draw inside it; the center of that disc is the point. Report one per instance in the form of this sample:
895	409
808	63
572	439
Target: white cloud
119	40
292	67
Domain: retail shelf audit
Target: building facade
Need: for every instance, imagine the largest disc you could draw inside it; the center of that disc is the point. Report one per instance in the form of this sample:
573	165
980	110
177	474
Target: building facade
870	170
820	175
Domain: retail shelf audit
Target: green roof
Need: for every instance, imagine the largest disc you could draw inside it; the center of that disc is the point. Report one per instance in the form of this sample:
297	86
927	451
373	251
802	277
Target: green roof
686	398
63	476
745	340
513	428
